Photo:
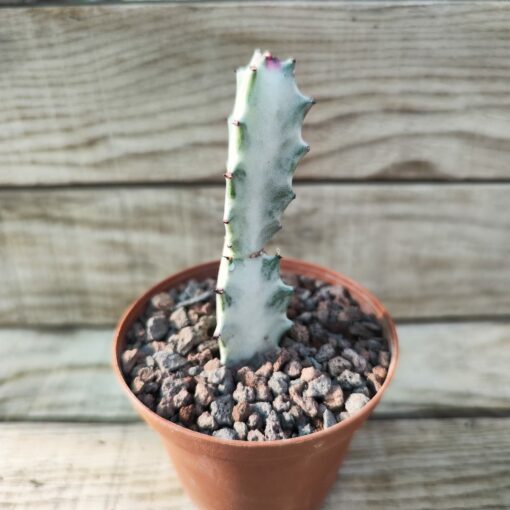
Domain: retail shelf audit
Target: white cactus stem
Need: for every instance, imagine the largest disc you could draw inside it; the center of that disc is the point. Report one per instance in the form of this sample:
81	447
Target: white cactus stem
265	146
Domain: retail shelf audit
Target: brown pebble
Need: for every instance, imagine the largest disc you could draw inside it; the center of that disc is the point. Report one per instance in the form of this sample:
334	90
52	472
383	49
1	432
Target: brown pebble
263	392
241	411
203	394
265	370
334	400
283	358
299	333
384	359
187	414
129	359
373	384
309	373
247	376
212	364
293	369
380	373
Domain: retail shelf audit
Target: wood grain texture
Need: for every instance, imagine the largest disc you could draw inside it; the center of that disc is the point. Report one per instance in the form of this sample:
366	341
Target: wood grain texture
445	370
130	93
411	464
80	256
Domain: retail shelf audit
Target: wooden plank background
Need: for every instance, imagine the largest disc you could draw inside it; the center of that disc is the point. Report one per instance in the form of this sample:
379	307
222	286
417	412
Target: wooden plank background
125	467
112	147
131	93
80	256
446	369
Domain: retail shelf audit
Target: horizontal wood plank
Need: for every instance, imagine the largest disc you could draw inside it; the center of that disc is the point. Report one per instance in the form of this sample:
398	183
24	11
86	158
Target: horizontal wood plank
411	464
446	369
80	256
131	94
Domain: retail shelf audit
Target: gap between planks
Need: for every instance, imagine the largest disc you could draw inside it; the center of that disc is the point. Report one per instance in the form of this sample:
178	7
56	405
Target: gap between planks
171	184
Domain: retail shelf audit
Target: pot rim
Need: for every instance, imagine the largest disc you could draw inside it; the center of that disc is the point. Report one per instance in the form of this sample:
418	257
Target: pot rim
290	265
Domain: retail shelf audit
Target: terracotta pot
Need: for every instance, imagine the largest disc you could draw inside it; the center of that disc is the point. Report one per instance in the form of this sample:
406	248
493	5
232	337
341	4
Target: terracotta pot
289	474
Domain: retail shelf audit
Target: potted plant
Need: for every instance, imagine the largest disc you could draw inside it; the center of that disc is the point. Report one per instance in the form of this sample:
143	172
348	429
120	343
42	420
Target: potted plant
255	384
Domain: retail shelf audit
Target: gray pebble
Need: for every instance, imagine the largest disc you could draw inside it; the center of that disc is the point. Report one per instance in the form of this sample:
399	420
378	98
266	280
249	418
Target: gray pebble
325	353
244	393
157	328
328	418
254	421
281	403
349	380
221	410
215	376
262	408
170	361
241	430
279	383
273	429
359	363
206	422
287	421
337	365
226	387
255	435
194	371
318	387
225	433
363	389
355	402
314	363
343	416
304	430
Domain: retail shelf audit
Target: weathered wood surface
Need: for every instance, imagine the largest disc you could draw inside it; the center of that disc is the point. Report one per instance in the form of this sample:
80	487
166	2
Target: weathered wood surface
439	464
445	370
130	93
80	256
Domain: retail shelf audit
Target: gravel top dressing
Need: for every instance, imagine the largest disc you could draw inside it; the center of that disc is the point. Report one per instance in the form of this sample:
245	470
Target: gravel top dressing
331	362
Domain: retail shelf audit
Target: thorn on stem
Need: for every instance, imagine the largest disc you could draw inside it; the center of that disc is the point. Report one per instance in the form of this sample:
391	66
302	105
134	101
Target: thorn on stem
227	175
219	291
227	257
226	222
253	69
236	123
